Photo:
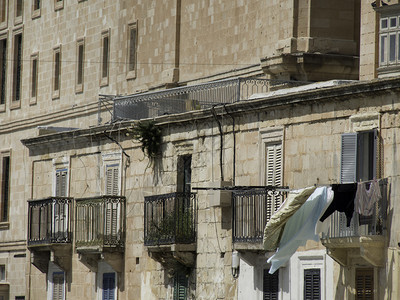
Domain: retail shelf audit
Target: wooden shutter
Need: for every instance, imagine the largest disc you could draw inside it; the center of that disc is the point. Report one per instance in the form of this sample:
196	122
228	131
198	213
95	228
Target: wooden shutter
61	183
181	283
112	180
348	158
364	284
312	284
108	286
270	285
58	286
273	176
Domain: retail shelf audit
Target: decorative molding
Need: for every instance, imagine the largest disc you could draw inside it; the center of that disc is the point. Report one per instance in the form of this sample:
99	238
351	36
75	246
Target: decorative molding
365	121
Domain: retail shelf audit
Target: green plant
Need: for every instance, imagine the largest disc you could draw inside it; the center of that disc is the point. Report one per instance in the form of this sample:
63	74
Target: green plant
149	135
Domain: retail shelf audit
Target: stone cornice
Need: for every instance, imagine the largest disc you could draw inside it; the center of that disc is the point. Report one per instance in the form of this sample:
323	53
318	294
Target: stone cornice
335	93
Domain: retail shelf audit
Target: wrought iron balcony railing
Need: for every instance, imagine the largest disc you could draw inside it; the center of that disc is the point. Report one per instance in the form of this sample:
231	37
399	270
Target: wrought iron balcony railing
188	98
170	219
361	225
100	222
252	209
49	221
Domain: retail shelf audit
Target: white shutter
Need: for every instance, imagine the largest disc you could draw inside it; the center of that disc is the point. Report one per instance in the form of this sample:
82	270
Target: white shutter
112	180
274	164
348	169
273	175
61	183
58	286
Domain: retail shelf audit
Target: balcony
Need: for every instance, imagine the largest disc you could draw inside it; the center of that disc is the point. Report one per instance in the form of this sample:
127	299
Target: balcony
100	224
364	241
252	208
49	231
188	98
100	231
170	227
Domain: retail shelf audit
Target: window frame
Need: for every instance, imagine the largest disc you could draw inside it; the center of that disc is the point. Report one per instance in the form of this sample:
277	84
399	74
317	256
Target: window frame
4	19
105	57
181	284
389	33
36	10
33	84
56	71
5	188
53	269
58	4
3	273
131	72
4	78
80	66
17	75
184	173
350	160
18	18
362	272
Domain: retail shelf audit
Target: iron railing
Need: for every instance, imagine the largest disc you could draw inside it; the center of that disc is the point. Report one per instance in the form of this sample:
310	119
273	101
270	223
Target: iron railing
170	219
100	221
49	221
251	210
194	97
361	225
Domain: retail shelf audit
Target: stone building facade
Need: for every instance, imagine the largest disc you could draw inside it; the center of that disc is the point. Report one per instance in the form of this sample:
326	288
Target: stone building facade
77	161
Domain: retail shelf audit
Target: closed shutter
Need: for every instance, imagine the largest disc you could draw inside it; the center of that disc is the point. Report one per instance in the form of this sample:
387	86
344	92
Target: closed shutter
312	284
364	284
270	285
181	283
58	286
112	180
112	219
59	210
61	183
273	176
108	286
348	158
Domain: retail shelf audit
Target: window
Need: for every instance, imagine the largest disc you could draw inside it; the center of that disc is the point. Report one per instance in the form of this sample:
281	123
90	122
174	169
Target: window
108	286
5	185
105	57
61	183
58	4
273	176
184	174
113	209
181	284
2	273
3	14
359	156
36	5
80	65
364	284
17	69
58	286
3	70
56	71
270	285
112	179
34	77
60	209
19	6
312	284
132	50
389	33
